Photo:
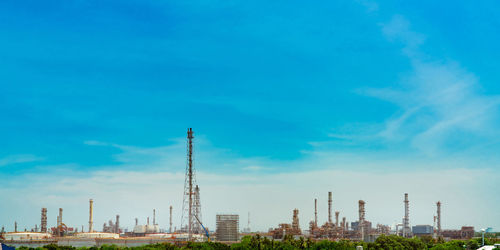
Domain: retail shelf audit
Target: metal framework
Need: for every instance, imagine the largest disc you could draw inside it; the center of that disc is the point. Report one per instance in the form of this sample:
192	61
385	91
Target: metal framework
197	211
227	227
188	223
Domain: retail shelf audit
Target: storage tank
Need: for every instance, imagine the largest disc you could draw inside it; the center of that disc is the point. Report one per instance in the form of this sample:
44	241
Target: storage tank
94	235
17	236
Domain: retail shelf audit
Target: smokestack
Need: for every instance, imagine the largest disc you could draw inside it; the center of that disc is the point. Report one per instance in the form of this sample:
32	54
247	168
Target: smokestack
117	224
136	221
329	207
15	226
91	222
60	217
337	218
438	218
148	221
406	219
43	224
315	212
170	230
154	216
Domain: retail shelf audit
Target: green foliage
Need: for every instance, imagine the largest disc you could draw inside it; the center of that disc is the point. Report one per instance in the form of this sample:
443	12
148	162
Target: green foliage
391	242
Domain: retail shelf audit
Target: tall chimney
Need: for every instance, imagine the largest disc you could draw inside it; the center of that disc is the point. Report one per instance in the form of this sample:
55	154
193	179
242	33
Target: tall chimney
315	213
91	222
136	221
15	226
154	216
170	230
337	218
60	217
148	220
117	224
330	208
438	218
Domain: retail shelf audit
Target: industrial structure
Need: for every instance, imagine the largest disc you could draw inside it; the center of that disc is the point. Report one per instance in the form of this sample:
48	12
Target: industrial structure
91	222
406	218
43	223
170	229
438	218
227	227
191	206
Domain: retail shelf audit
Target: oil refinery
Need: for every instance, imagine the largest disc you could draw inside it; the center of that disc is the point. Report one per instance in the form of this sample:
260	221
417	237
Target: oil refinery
336	227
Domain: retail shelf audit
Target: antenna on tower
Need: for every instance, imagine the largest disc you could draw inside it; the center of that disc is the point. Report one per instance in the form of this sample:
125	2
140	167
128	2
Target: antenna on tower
188	207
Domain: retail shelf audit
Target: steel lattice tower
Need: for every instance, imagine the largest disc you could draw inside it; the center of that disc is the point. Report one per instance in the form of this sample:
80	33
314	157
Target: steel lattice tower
197	211
188	222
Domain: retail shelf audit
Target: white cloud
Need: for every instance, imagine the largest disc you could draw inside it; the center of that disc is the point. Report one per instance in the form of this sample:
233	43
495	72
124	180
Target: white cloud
440	102
253	168
269	198
14	159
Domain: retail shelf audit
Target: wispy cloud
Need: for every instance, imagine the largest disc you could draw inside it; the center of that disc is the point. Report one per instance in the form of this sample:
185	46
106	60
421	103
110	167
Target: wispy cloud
437	102
253	168
135	193
15	159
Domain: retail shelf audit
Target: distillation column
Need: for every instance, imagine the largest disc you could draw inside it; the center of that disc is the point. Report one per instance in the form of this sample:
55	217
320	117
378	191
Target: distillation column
438	218
330	208
43	224
91	222
406	219
170	230
361	225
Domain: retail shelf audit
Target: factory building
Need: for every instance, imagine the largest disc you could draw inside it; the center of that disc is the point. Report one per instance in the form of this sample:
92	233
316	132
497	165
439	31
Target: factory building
227	227
421	230
464	233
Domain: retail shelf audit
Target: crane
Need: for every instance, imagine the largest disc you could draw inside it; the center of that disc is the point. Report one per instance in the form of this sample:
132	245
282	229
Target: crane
206	232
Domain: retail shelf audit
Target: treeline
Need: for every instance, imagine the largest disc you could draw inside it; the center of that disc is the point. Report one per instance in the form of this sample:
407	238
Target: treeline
258	242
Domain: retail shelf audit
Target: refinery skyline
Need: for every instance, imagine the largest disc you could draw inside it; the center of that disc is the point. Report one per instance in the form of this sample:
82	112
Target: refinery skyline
369	100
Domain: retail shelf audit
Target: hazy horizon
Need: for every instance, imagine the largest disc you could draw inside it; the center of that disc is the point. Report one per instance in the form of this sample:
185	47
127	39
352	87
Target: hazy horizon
288	100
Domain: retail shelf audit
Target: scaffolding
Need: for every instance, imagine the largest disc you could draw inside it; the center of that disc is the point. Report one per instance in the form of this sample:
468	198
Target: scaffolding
227	227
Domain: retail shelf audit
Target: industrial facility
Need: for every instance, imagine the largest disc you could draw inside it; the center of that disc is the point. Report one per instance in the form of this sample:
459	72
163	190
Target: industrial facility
227	225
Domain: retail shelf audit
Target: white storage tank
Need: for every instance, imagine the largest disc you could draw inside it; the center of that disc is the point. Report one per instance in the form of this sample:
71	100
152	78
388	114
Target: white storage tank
26	236
94	235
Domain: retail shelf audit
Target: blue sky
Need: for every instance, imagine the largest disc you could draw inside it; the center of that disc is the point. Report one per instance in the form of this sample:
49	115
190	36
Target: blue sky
96	96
